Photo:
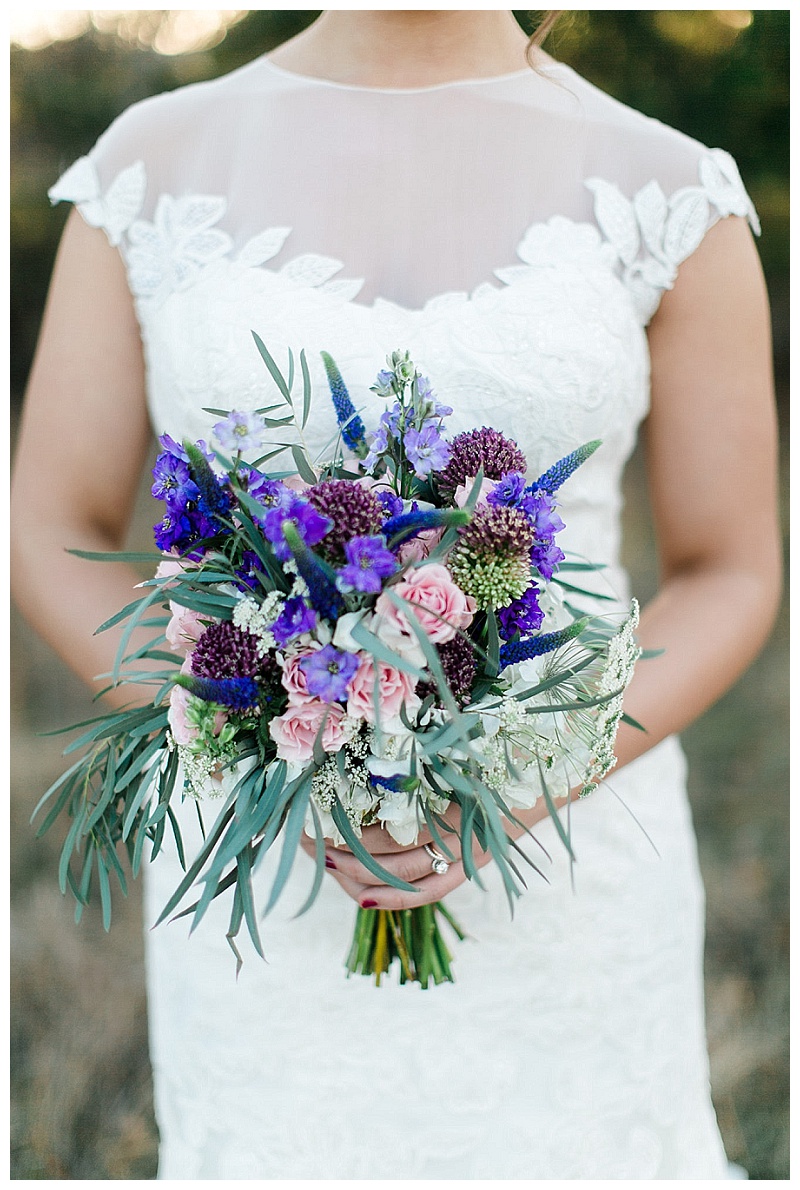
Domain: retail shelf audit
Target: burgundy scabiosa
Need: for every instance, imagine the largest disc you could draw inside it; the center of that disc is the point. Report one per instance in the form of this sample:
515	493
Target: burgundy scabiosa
459	665
491	560
225	652
486	448
353	511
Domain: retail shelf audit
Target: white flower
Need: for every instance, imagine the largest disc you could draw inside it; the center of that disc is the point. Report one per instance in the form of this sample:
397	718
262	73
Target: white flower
342	638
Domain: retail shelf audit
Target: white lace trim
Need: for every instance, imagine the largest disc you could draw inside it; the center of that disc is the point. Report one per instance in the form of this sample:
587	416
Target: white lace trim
644	239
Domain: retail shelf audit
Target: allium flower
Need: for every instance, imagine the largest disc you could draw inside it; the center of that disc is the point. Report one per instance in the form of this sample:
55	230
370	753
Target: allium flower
426	450
491	560
368	562
459	665
328	673
486	448
240	431
352	511
523	616
350	424
295	619
172	480
226	652
311	526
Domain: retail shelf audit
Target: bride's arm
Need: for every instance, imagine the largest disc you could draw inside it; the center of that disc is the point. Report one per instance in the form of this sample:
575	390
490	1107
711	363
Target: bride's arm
711	456
82	446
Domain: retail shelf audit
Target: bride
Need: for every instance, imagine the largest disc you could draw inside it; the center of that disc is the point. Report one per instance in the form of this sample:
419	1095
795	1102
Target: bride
563	268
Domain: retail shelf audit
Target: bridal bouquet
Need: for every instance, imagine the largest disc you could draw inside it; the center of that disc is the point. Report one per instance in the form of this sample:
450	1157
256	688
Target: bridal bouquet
369	640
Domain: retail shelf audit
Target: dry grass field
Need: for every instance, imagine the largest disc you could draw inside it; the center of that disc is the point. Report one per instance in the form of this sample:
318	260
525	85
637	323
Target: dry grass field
82	1096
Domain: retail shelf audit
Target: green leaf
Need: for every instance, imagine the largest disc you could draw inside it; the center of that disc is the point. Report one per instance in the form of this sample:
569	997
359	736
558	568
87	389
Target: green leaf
553	812
244	884
118	556
306	388
213	837
304	468
360	852
629	719
319	860
291	839
105	892
273	368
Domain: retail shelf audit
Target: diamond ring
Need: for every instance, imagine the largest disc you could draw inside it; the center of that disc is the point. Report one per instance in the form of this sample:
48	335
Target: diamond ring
438	862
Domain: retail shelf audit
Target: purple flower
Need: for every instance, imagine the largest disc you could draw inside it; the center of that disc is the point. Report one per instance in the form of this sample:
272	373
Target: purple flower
310	524
175	448
523	615
247	571
369	561
392	505
174	529
240	431
540	508
269	492
384	383
329	672
508	490
426	450
297	617
546	557
173	480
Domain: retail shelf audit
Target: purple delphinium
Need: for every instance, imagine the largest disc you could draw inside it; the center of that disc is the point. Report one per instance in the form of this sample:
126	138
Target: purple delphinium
523	616
329	672
172	480
173	531
426	449
546	557
508	491
391	504
247	571
310	524
297	617
368	562
175	448
240	431
540	507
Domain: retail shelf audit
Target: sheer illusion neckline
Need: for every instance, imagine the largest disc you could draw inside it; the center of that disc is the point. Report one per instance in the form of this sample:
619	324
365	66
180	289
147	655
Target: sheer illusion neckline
453	84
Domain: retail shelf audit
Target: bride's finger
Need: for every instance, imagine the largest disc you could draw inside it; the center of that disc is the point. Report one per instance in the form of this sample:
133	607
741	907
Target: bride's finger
428	889
410	865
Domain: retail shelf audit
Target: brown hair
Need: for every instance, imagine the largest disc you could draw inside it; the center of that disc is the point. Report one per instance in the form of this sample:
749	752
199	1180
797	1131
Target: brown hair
545	26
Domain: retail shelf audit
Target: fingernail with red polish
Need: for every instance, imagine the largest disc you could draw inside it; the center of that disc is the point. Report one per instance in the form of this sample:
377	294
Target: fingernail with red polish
369	904
329	862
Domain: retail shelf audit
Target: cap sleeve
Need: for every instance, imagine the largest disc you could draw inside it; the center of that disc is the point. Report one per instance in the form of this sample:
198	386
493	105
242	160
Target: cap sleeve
653	233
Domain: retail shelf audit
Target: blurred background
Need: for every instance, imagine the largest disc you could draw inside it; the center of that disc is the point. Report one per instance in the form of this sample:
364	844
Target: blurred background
81	1090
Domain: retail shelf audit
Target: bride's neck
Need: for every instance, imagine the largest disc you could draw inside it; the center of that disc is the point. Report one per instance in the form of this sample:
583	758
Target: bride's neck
406	49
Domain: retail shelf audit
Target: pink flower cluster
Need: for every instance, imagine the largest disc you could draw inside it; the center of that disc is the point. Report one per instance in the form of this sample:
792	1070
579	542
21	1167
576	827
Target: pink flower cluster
441	609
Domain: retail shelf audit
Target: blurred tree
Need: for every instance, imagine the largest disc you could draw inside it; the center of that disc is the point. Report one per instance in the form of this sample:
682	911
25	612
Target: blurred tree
720	76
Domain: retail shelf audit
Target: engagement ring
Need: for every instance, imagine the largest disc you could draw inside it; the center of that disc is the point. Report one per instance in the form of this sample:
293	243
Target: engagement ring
438	862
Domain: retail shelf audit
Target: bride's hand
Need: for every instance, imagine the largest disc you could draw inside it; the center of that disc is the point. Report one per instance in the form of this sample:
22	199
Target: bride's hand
411	863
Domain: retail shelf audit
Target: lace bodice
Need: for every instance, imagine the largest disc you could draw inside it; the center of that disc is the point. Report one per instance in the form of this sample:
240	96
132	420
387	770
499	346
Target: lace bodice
516	236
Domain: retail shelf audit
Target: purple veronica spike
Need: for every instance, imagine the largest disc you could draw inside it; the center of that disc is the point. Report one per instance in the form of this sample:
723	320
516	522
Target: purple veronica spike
329	672
552	480
351	425
368	562
409	524
523	650
296	618
239	694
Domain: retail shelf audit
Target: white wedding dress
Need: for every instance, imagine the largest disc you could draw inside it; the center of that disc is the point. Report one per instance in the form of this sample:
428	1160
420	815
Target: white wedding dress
515	235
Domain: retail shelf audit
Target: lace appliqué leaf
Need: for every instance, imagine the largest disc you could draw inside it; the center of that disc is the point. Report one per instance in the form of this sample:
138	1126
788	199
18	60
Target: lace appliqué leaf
113	211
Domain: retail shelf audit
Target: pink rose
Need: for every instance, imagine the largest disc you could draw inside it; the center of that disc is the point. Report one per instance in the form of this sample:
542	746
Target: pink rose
463	490
169	567
419	547
296	729
185	628
293	679
443	607
394	689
